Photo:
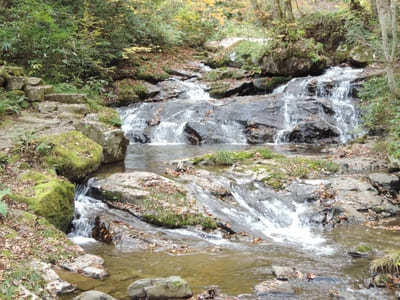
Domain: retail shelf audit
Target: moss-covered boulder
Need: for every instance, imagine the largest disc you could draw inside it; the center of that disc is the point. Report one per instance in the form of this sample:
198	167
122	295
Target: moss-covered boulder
73	155
274	58
48	196
131	91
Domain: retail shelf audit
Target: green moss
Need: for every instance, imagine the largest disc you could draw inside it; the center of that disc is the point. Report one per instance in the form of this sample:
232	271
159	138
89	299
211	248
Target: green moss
224	73
151	73
73	155
390	263
173	220
109	116
130	91
50	197
219	89
363	248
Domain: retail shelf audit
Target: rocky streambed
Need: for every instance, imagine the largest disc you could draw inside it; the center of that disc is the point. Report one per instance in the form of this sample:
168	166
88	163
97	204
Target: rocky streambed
198	199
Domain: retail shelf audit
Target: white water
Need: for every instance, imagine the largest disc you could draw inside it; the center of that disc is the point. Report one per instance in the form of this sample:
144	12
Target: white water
86	210
335	86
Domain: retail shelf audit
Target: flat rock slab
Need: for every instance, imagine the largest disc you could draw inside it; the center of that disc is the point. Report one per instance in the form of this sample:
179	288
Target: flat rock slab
384	182
283	273
173	287
88	265
66	98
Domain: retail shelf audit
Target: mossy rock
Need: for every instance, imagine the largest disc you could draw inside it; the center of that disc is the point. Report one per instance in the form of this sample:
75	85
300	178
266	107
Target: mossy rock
73	155
49	196
130	91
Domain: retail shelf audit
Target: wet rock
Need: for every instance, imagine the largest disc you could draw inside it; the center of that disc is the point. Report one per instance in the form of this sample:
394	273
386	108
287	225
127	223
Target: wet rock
198	133
111	139
185	74
307	132
66	98
361	56
268	84
385	183
283	273
172	287
272	289
55	285
88	265
169	89
94	295
223	89
151	90
260	134
303	193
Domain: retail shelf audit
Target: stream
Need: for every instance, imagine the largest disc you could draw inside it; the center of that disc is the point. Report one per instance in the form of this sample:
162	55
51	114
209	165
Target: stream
312	110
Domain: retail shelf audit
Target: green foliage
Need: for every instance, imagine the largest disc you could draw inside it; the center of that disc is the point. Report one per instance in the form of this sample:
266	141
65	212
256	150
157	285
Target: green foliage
3	205
12	102
390	263
25	277
110	116
382	112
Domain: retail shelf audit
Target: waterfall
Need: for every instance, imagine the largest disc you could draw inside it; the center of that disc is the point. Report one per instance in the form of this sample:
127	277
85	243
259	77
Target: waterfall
86	210
335	85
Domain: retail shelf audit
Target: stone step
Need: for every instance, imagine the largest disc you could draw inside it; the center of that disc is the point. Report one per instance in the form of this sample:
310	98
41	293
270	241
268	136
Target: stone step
19	82
66	98
37	93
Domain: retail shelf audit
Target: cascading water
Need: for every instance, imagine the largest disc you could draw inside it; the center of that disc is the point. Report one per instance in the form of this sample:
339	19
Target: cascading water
335	85
266	214
86	209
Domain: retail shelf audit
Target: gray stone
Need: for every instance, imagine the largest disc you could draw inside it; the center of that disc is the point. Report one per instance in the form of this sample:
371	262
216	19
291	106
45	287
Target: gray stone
55	107
34	93
66	98
88	265
151	90
55	285
274	288
282	273
384	182
33	81
173	287
15	83
125	187
112	140
94	295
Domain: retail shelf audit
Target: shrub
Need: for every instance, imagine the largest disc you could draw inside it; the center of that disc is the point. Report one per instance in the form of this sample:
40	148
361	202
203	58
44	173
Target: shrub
3	205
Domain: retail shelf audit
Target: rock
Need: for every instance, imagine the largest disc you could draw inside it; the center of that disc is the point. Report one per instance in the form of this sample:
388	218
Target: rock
56	107
169	89
35	93
15	83
88	265
260	134
274	288
66	98
268	84
55	285
182	73
283	273
124	187
303	193
94	295
223	89
73	155
151	90
112	140
53	198
361	56
172	287
2	81
385	183
307	132
33	81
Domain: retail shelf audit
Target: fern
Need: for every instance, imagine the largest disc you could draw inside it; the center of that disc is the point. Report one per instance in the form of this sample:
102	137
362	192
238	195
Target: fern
3	205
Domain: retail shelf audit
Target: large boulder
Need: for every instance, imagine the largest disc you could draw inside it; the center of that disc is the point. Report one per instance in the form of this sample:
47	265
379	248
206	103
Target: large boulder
112	139
173	287
385	183
94	295
72	154
15	83
153	198
49	196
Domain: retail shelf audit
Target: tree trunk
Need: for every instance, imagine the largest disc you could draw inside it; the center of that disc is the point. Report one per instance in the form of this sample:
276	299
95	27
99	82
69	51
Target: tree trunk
288	10
387	14
374	10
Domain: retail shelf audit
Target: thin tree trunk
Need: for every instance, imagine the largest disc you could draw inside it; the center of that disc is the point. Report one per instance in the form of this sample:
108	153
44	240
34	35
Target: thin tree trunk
374	10
387	14
289	10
